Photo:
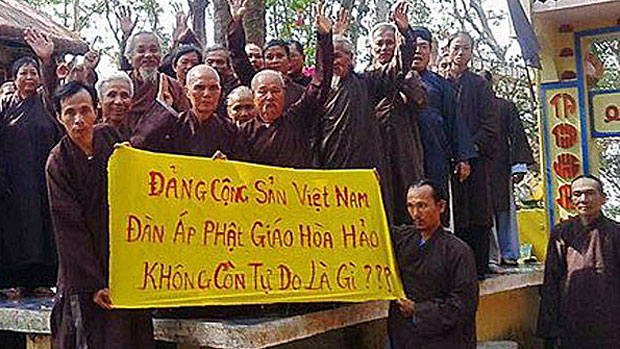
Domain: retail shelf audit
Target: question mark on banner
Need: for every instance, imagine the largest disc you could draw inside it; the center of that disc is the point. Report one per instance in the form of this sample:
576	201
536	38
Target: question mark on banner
369	269
379	272
388	273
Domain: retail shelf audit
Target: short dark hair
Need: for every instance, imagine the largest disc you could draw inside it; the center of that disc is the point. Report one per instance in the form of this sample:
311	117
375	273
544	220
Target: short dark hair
183	50
423	33
438	194
277	43
27	60
298	45
459	34
592	177
71	89
218	47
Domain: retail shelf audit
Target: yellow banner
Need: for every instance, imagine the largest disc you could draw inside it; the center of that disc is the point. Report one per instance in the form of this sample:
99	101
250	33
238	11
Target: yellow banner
188	231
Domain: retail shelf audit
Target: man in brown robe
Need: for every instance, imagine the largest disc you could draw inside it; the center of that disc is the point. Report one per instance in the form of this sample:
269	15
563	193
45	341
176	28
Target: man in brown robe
276	55
580	295
279	136
77	183
201	132
157	96
473	206
397	118
348	133
439	276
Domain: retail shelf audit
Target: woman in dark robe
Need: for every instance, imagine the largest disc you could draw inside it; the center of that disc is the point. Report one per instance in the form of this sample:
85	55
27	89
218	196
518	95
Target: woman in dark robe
27	134
115	93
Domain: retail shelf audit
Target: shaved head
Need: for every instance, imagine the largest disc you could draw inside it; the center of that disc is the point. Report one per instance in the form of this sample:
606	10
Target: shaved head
203	90
267	75
201	70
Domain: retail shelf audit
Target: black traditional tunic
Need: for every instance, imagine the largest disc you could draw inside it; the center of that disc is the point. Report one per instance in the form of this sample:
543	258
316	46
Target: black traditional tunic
78	202
479	111
287	140
28	132
580	296
439	275
512	148
472	202
445	138
235	38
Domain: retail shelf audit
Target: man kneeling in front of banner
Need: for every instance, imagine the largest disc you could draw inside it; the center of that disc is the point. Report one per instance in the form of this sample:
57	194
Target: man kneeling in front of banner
438	272
76	171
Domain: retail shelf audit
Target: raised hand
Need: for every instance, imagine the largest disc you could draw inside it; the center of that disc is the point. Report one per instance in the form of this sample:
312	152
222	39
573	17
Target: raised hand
399	16
126	23
40	44
237	9
181	23
342	24
322	21
91	59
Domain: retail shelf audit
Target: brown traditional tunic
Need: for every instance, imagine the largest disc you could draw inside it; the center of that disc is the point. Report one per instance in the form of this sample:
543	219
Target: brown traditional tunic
580	296
286	141
165	89
348	133
403	150
439	275
204	139
78	203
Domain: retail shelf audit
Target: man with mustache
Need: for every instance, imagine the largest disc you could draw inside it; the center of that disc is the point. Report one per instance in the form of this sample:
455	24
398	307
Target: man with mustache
439	278
580	295
157	99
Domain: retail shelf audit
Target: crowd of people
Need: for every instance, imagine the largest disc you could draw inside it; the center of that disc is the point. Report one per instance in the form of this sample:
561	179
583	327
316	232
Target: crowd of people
444	145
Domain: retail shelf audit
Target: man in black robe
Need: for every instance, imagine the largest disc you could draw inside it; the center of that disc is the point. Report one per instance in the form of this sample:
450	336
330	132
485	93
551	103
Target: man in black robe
473	206
28	131
82	316
439	276
297	59
276	55
508	166
279	136
445	138
580	295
